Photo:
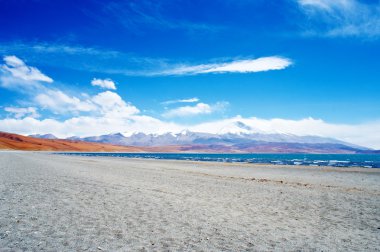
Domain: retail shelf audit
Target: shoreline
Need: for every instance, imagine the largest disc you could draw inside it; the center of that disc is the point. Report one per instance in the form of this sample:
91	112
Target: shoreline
245	164
212	161
241	170
83	153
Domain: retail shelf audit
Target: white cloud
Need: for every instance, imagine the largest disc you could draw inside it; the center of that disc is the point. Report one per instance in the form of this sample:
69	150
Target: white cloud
189	100
112	105
105	83
107	104
250	66
342	18
237	66
18	69
58	102
17	76
198	109
22	112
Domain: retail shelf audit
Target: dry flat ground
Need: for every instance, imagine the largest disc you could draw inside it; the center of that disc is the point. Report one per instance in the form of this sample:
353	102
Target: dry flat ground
71	203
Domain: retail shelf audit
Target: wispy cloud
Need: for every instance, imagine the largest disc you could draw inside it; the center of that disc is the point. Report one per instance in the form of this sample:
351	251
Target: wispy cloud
237	66
100	60
327	5
132	15
66	49
104	83
342	18
89	59
189	100
198	109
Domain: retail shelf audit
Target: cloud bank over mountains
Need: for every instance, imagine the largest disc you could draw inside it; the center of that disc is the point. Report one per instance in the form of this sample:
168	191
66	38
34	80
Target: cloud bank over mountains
107	112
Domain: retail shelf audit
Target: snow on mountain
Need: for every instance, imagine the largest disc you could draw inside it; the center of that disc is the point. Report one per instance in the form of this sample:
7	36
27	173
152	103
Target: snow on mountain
243	136
45	136
232	132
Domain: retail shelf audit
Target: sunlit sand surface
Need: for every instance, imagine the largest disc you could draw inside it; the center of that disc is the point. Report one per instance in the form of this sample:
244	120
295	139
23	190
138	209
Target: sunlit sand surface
68	203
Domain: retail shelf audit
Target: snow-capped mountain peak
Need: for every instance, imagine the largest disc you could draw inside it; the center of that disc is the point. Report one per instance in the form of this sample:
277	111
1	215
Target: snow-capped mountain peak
236	134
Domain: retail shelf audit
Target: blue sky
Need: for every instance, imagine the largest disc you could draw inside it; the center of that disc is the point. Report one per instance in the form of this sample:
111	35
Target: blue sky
114	65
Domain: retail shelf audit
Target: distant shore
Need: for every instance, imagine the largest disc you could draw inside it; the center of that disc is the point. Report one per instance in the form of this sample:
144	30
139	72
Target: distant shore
66	203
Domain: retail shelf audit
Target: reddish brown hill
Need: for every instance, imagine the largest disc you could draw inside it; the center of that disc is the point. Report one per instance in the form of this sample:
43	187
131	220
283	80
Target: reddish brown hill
10	141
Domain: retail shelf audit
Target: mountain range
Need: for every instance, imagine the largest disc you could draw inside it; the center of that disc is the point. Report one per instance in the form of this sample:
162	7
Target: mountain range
230	142
45	136
236	137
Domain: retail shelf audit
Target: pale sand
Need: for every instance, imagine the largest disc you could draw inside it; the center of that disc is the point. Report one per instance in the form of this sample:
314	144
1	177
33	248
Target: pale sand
66	203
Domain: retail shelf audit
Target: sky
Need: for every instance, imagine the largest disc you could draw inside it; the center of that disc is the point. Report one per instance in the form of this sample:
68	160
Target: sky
91	67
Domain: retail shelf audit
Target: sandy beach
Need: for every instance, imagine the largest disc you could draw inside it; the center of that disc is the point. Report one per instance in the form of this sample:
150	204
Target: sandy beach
72	203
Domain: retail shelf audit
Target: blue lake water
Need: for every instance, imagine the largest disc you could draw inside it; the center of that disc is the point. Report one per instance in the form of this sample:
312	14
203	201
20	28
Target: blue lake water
336	160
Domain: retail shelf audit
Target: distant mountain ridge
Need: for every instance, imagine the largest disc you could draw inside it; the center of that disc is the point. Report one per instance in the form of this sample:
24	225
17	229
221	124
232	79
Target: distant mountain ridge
189	138
230	142
45	136
185	142
232	136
